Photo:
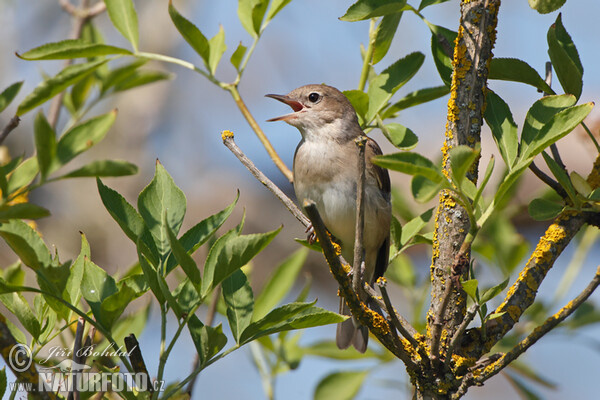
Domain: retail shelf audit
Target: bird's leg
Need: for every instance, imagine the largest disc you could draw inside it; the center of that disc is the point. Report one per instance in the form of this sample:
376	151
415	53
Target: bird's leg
311	237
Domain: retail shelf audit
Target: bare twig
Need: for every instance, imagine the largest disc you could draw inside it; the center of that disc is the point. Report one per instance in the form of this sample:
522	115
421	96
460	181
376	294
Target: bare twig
227	137
12	124
547	180
74	394
137	360
360	214
471	312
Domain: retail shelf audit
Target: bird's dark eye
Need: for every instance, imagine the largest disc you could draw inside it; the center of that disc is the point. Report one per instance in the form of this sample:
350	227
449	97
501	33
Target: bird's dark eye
314	97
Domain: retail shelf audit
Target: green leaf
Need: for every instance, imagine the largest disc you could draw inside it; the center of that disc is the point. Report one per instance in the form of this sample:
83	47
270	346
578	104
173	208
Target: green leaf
565	58
442	49
82	137
207	340
365	9
80	91
411	164
580	184
493	291
384	36
8	94
18	306
22	211
123	213
542	209
251	14
72	291
400	136
360	102
559	126
279	284
561	176
415	98
427	3
183	258
470	288
119	75
546	6
71	48
461	159
238	56
275	7
202	231
515	70
141	78
53	86
414	226
540	113
383	86
97	286
190	33
504	129
102	168
402	271
423	189
231	252
124	18
23	175
239	300
290	317
162	197
217	48
150	273
343	385
26	243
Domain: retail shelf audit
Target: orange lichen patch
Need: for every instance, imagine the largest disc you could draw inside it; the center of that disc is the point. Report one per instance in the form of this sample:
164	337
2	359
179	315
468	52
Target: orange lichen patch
381	280
378	323
226	135
460	362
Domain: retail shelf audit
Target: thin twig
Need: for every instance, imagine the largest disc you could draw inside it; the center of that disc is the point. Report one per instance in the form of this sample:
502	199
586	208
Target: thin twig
547	180
12	124
137	360
228	141
360	215
373	295
540	331
74	394
436	332
471	312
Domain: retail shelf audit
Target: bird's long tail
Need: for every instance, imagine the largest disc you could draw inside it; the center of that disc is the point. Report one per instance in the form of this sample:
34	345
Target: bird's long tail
350	332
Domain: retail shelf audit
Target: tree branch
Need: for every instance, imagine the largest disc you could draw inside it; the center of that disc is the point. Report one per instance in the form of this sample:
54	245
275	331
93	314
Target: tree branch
12	124
137	360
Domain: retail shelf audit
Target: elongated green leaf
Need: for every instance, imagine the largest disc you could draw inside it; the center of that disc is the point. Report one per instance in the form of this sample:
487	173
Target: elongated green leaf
470	288
141	78
328	349
365	9
53	86
238	56
239	300
119	75
26	243
503	127
183	258
546	6
565	58
384	36
515	70
400	136
150	273
72	48
580	184
343	385
190	33
23	175
217	48
561	176
45	143
559	126
415	98
411	164
493	291
542	209
414	226
8	94
96	287
207	340
102	168
427	3
162	197
540	113
383	86
231	252
202	231
18	306
124	18
461	159
360	102
442	50
22	211
81	137
251	14
279	283
423	189
123	213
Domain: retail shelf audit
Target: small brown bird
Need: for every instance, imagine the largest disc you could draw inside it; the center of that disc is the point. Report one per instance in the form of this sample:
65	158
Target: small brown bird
325	171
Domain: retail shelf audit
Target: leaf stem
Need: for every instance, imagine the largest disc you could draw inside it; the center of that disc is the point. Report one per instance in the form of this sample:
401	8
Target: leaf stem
364	73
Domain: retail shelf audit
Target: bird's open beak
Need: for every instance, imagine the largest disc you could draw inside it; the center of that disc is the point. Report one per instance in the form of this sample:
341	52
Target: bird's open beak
296	106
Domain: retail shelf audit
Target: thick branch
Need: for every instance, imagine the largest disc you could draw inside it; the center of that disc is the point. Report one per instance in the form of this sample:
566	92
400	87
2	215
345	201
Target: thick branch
137	359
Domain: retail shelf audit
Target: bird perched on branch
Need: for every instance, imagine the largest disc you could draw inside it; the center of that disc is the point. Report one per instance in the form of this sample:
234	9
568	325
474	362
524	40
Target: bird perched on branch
325	171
